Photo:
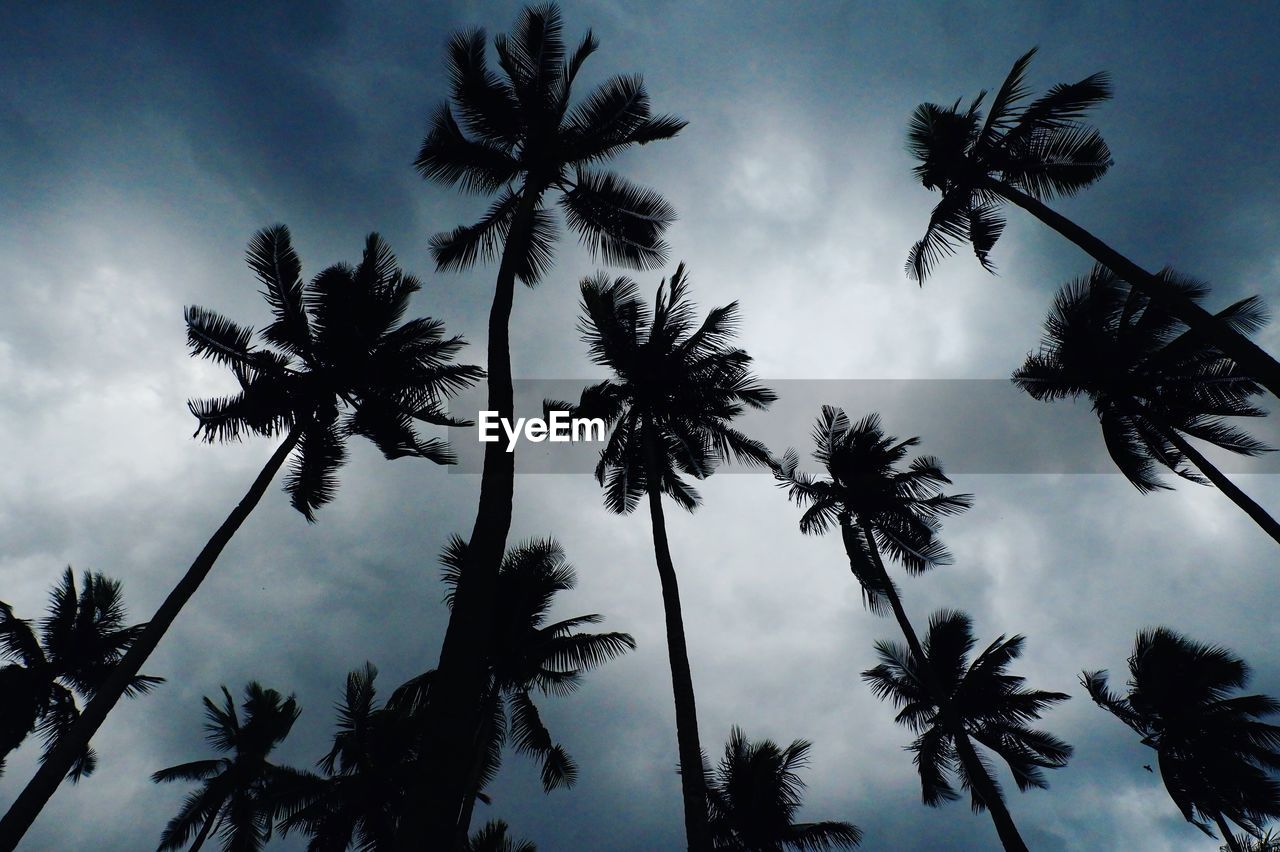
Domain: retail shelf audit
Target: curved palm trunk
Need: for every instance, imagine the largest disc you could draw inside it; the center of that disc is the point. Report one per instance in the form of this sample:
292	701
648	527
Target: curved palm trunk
1227	836
692	781
1254	358
983	783
457	693
483	733
32	799
1225	485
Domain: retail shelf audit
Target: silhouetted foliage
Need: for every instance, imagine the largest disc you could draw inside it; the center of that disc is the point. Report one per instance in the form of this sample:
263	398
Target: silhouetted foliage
676	388
1216	755
238	796
1148	377
78	643
493	837
754	794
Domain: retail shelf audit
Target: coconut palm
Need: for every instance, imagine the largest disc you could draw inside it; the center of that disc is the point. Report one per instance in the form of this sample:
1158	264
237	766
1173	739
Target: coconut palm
518	136
1027	152
753	796
493	837
79	642
1152	383
980	702
528	655
340	347
361	798
1216	755
237	799
675	390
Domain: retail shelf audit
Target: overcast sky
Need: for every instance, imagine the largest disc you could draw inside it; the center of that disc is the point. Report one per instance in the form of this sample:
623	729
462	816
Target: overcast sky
140	149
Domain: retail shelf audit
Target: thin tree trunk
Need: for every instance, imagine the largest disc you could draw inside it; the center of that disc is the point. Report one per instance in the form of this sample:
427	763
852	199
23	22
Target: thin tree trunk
436	797
1227	836
1225	485
1262	366
692	782
32	799
984	785
205	830
484	732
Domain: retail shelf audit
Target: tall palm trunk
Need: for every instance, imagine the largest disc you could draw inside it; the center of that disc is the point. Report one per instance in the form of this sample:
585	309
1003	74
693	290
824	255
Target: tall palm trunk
983	784
1226	486
1262	366
483	732
32	799
457	693
1227	836
692	782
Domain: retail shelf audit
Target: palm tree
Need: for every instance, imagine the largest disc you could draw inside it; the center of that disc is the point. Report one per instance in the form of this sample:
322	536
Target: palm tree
493	837
1268	842
979	702
361	799
1216	755
517	136
676	388
81	639
1028	153
754	794
237	796
339	348
528	654
1151	381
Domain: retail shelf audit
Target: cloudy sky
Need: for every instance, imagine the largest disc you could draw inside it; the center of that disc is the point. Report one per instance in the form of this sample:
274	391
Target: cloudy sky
140	149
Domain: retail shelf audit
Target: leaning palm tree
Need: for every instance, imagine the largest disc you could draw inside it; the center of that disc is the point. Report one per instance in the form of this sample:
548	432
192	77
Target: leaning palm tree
237	796
677	386
980	701
1152	383
341	346
528	655
518	136
1216	755
753	796
78	644
1027	153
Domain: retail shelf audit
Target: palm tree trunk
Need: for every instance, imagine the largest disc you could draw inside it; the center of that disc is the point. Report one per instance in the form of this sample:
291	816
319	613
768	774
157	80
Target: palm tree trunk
1226	486
483	733
692	781
32	799
1227	836
983	783
1263	367
456	695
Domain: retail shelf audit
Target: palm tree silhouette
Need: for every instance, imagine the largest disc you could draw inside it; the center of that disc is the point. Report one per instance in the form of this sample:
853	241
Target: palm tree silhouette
1215	755
527	654
979	701
361	798
753	796
517	136
79	642
493	837
237	796
1027	153
676	388
339	348
1150	380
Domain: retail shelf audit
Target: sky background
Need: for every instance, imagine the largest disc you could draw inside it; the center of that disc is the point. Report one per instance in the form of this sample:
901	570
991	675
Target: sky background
141	147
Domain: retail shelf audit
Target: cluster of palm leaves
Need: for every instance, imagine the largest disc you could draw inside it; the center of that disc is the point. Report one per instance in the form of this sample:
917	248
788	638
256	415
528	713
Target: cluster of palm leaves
339	359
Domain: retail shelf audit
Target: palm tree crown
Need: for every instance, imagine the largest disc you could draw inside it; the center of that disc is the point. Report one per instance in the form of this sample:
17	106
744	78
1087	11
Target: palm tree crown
754	794
522	127
1039	147
79	642
1216	755
986	702
676	384
238	794
1144	372
340	346
867	487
